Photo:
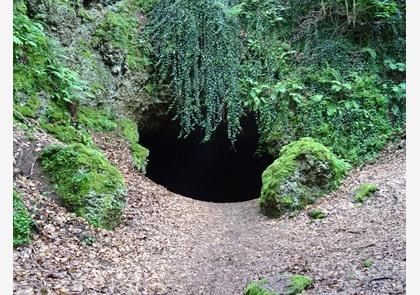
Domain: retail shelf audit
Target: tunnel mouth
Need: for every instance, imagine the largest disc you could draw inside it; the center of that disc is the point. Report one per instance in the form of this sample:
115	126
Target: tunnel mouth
214	171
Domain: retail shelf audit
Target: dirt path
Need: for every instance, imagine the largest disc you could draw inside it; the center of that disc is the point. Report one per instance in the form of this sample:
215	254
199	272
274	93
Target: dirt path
169	244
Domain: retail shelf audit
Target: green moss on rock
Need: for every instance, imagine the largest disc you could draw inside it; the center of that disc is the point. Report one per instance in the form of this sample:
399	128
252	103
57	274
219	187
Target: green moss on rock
258	288
364	192
316	214
86	183
129	129
140	153
22	222
29	108
56	113
117	37
57	121
304	171
96	119
68	134
298	284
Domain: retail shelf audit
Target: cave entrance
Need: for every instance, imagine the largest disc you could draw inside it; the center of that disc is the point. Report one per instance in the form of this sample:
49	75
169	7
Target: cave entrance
213	171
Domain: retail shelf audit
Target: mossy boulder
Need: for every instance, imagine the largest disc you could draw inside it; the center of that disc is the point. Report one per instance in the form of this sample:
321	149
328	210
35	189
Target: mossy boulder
86	183
304	171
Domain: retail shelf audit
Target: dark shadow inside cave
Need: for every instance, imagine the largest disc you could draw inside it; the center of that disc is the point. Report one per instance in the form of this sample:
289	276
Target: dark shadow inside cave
214	171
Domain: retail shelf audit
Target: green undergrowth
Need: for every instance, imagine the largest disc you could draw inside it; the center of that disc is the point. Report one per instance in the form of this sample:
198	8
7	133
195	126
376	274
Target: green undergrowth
293	284
330	70
22	222
86	183
38	67
96	119
349	113
43	86
316	214
45	89
339	82
304	171
57	121
368	263
364	192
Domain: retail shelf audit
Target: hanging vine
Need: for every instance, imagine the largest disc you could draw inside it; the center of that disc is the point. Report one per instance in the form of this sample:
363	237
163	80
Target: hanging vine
196	46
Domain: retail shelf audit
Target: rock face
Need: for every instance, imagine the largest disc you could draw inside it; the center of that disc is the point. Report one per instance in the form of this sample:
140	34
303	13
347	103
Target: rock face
304	171
100	40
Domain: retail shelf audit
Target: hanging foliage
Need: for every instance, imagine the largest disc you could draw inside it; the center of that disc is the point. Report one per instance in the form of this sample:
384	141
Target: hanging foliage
196	46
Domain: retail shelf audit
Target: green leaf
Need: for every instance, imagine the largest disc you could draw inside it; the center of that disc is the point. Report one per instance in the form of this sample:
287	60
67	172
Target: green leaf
395	110
371	52
331	110
317	97
17	41
336	88
296	97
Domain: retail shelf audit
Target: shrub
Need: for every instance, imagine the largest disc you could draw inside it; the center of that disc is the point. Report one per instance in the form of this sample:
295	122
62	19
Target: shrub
22	222
304	171
364	192
86	183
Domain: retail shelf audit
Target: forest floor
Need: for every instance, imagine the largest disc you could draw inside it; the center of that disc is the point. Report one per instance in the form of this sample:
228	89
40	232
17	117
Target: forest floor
170	244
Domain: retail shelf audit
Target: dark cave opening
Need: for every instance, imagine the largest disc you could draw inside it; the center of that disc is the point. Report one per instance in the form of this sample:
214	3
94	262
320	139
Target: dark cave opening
214	171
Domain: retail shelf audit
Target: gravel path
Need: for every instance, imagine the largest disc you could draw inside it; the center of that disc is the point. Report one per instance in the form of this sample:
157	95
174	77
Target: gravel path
169	244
